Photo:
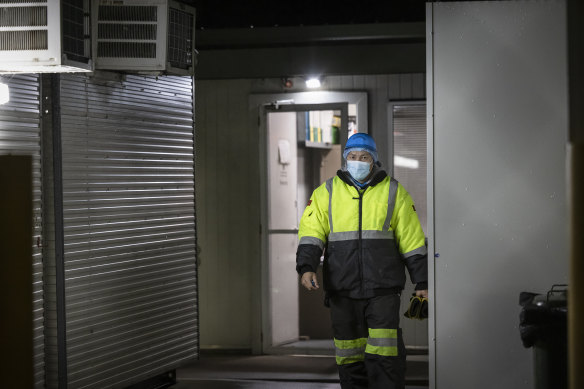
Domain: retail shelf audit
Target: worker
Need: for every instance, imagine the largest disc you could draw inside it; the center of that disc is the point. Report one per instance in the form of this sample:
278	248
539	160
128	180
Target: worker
366	224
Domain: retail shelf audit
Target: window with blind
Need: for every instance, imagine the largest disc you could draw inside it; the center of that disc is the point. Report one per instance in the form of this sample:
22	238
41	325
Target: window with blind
408	121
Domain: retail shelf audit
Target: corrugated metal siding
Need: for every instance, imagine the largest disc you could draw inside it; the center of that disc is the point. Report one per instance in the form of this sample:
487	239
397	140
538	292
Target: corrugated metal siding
20	135
129	228
227	136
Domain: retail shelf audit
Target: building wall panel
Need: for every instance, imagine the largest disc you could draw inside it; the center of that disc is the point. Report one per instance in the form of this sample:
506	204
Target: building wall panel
20	134
500	215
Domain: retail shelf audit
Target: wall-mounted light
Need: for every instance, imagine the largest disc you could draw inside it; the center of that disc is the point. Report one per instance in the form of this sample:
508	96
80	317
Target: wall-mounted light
313	83
4	94
287	83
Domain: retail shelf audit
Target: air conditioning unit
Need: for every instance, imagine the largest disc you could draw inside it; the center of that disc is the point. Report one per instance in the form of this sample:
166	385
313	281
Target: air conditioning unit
144	36
44	36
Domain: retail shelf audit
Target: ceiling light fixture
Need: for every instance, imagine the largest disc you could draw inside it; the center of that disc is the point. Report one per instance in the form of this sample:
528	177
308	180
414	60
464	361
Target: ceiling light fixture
4	94
313	83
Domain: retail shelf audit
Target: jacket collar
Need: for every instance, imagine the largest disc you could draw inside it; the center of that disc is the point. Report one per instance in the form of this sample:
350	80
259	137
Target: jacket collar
378	176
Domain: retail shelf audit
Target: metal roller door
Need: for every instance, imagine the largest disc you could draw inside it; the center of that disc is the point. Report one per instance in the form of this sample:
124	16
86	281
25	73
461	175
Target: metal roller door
129	228
20	135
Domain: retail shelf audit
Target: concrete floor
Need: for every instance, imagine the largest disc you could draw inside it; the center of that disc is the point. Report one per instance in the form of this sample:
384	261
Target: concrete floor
278	371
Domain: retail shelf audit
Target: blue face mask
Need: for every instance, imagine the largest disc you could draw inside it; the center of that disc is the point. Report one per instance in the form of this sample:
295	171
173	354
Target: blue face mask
358	170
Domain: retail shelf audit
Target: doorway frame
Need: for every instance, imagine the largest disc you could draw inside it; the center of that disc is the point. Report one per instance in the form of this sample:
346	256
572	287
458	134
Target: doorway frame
259	106
391	147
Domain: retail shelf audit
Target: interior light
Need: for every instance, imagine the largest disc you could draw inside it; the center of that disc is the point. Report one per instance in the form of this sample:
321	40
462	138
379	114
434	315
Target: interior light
406	162
4	94
313	83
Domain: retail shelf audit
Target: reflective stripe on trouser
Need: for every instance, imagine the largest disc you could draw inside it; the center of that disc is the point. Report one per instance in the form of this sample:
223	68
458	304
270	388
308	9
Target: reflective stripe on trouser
381	341
368	342
350	350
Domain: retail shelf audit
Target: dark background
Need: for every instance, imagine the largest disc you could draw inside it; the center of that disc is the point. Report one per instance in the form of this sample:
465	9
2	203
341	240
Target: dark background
214	14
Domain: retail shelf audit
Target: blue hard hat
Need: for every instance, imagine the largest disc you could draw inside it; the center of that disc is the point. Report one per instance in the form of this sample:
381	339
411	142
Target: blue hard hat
361	142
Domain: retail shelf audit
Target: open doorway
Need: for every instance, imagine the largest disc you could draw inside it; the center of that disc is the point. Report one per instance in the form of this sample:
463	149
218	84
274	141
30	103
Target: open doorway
302	149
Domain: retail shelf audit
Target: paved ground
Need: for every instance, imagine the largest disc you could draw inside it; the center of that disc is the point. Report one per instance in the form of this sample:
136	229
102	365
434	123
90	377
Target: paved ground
277	371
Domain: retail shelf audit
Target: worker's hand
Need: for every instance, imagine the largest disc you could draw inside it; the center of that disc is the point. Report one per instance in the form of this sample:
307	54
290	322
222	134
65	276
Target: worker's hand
422	293
309	280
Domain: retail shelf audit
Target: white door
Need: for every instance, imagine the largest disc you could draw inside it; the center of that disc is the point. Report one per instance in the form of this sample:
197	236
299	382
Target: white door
282	226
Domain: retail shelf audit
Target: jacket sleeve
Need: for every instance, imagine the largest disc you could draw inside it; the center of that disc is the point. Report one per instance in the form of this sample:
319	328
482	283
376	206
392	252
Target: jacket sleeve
410	236
313	232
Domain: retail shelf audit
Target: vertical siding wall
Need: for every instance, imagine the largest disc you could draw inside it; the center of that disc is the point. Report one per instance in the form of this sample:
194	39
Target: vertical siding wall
20	135
228	200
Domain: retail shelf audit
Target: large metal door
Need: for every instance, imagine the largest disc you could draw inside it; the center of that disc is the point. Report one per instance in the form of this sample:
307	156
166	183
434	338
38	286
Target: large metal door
497	103
130	275
20	135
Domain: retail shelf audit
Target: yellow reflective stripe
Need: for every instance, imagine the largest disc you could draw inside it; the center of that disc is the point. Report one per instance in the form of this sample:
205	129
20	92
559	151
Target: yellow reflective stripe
354	235
344	344
347	360
382	333
350	350
380	340
393	185
383	351
329	188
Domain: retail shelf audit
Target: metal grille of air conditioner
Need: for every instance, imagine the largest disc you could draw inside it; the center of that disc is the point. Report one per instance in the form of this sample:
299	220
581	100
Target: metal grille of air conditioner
23	27
24	16
45	36
75	22
22	1
180	38
127	31
153	36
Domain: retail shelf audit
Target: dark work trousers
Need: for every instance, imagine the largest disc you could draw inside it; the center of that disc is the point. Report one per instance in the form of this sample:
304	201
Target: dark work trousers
352	319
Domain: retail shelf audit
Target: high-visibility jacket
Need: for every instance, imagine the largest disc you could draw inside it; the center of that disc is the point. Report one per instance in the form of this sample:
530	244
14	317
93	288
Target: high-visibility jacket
371	235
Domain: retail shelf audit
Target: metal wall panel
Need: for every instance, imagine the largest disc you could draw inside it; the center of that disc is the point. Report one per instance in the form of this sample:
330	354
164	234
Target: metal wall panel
500	215
129	228
226	137
20	135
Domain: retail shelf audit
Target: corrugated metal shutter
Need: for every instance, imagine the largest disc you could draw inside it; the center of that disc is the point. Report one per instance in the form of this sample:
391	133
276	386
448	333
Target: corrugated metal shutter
129	228
20	135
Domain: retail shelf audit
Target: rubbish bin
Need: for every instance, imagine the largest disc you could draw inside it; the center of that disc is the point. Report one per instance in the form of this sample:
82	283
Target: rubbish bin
543	325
